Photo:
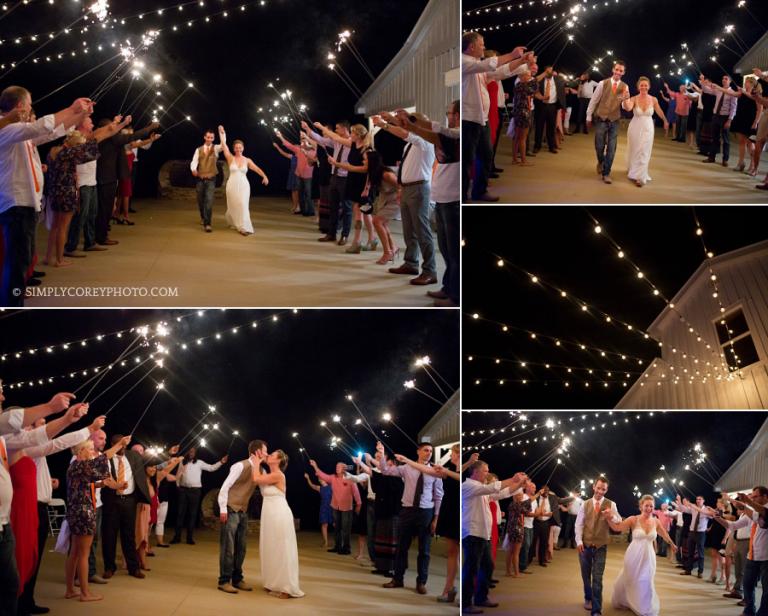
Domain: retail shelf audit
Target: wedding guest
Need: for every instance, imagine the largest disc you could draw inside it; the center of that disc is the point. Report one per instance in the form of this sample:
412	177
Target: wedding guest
88	468
445	194
722	117
190	483
234	496
292	184
204	168
748	112
62	196
383	190
448	522
126	468
682	109
326	513
572	508
476	104
666	522
146	513
476	529
529	515
389	494
338	205
344	492
757	556
45	487
21	182
127	181
522	110
715	542
741	538
306	158
546	110
514	532
111	166
163	497
414	176
586	89
697	533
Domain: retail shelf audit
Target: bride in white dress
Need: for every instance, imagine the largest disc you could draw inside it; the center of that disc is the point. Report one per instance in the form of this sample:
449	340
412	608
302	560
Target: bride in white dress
634	588
238	189
640	133
278	552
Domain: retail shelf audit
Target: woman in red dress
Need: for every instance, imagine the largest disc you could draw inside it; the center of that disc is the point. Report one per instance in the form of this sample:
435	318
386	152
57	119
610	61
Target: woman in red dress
24	519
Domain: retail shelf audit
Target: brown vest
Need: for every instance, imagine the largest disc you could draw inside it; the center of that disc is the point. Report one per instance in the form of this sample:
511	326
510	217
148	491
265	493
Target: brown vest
242	490
206	164
596	530
609	107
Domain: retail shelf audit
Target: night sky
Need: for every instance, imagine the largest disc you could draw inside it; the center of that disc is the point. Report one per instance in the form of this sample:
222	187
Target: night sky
630	453
230	61
560	246
641	32
266	382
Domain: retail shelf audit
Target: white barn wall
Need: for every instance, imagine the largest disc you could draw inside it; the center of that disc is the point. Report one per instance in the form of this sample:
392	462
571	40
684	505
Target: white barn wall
416	77
742	280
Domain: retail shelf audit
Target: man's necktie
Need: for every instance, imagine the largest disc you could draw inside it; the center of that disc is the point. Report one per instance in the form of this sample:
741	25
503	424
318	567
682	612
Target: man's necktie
120	473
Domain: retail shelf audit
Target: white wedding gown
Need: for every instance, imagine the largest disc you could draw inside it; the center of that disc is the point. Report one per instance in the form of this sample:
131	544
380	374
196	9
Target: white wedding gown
278	552
634	587
640	144
238	196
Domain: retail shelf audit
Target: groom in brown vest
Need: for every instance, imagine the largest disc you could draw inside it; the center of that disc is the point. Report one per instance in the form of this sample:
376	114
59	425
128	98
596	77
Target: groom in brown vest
234	495
604	112
204	168
592	537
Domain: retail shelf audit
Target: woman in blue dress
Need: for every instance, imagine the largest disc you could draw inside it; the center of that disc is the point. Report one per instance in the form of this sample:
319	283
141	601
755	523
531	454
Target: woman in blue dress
326	515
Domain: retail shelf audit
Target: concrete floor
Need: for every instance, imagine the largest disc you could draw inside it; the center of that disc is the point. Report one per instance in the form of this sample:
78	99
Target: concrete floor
678	175
183	579
281	264
557	590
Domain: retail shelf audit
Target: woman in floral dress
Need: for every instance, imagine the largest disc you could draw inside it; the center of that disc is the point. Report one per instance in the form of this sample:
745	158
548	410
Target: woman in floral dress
525	88
61	179
87	468
515	532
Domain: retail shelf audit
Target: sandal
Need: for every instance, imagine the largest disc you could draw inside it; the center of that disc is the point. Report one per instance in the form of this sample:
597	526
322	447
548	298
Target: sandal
386	258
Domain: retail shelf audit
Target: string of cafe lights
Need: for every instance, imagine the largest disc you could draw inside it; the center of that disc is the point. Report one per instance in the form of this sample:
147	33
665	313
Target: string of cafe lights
600	231
590	308
571	16
165	348
87	47
558	341
498	7
692	459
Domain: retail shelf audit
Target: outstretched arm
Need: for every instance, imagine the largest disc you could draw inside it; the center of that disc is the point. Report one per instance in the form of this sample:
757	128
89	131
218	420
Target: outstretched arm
114	127
255	168
619	527
427	470
472	459
664	534
660	113
314	486
281	151
224	146
329	134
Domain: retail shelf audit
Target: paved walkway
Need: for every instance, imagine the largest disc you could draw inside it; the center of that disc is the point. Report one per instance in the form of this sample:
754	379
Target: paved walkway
281	264
678	175
183	579
557	589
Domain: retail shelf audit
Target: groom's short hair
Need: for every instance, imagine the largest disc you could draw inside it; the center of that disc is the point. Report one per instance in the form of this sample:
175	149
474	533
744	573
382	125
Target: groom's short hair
621	62
603	479
209	130
255	446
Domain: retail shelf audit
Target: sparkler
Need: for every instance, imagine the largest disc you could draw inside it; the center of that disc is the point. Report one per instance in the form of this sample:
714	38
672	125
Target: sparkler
131	388
160	387
388	418
184	119
411	384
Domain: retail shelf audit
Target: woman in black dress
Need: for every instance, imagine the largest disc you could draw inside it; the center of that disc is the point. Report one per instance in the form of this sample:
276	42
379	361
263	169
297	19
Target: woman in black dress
744	123
448	520
357	176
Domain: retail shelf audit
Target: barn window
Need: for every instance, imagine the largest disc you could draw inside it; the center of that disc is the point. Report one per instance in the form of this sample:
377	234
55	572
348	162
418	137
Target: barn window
736	340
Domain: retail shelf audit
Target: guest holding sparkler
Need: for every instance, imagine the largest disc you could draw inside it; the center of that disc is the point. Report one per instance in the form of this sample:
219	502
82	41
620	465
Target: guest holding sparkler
344	492
306	157
326	513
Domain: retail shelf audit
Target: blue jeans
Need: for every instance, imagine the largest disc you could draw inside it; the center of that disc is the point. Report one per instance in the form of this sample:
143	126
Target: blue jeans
448	222
526	548
84	220
205	190
9	573
417	227
18	224
232	541
476	570
592	561
342	522
95	542
606	134
414	521
755	569
305	197
720	132
695	543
